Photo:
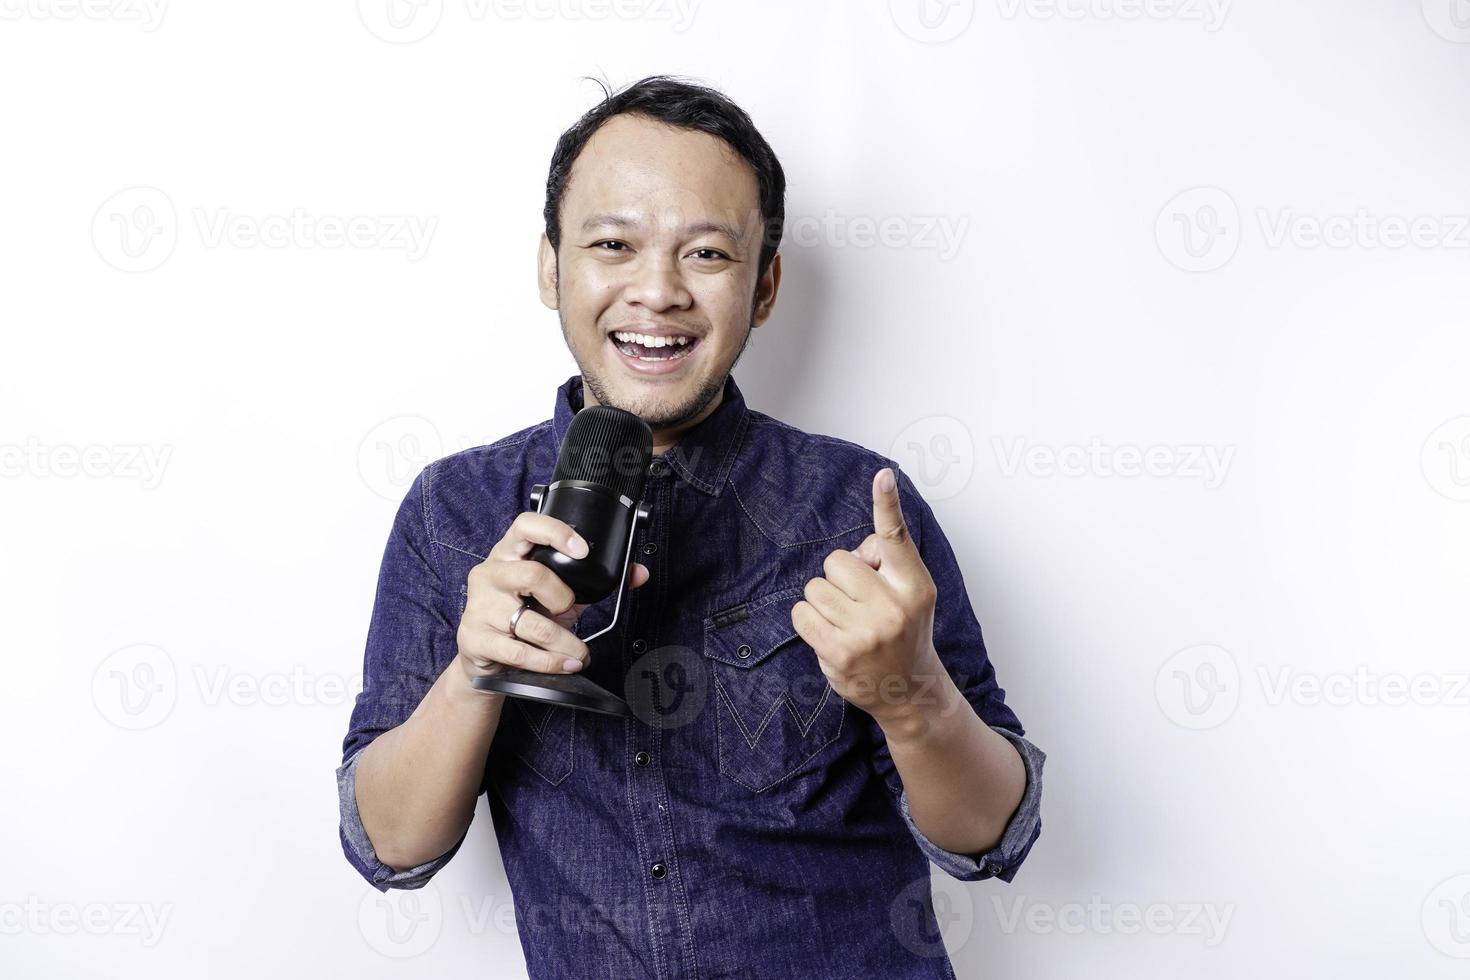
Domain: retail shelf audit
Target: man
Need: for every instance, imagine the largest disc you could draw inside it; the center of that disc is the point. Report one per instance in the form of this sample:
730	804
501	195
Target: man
827	717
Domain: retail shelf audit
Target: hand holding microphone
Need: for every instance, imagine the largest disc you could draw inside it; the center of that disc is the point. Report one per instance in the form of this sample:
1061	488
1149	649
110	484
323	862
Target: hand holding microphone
497	587
575	549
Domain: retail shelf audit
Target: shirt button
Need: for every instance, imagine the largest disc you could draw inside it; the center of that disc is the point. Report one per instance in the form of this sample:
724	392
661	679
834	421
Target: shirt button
743	651
650	548
658	870
639	646
658	467
642	759
993	868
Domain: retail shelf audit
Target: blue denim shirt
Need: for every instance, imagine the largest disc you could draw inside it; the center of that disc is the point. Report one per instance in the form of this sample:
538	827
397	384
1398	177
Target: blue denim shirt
751	822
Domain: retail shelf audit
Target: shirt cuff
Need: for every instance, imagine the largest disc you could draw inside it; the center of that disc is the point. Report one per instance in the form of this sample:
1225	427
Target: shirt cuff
1004	859
359	848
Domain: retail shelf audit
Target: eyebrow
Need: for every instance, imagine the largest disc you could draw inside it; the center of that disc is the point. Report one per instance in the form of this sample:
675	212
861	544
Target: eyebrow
623	221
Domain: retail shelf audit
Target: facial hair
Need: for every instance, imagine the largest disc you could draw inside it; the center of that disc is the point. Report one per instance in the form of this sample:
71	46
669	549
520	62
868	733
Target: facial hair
659	416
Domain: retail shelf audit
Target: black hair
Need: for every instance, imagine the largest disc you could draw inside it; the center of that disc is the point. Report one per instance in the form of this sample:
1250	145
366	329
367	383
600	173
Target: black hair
687	105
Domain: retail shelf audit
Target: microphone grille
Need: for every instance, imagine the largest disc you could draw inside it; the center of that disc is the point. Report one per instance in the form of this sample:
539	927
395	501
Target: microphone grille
609	447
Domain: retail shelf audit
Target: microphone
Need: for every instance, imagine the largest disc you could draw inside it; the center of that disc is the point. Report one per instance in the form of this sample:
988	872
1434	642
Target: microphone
597	488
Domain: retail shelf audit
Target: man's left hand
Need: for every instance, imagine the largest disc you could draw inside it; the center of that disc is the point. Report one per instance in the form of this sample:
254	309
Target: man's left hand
870	617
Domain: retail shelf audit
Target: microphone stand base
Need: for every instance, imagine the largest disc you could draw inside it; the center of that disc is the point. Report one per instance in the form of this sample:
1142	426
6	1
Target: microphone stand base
568	690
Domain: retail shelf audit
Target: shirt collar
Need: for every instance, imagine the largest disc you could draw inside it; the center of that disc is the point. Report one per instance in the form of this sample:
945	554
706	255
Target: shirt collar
703	455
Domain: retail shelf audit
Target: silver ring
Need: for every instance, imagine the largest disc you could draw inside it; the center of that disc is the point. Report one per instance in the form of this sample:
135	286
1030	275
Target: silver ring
515	617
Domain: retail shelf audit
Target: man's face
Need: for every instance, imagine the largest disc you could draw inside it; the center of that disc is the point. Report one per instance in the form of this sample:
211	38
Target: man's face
660	232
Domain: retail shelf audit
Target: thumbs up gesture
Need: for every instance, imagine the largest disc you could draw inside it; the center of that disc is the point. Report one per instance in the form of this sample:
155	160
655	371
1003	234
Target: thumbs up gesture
870	616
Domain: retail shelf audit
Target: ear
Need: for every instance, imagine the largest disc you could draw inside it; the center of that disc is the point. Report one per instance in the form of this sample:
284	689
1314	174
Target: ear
546	272
765	293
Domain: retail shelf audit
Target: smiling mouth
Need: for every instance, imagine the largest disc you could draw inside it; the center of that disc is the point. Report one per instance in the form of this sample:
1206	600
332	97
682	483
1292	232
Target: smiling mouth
660	348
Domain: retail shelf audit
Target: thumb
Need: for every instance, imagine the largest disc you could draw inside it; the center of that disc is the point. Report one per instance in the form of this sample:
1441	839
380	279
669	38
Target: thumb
638	575
888	522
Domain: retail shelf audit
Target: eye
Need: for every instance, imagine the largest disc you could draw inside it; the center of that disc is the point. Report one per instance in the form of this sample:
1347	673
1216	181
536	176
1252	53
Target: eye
712	254
609	241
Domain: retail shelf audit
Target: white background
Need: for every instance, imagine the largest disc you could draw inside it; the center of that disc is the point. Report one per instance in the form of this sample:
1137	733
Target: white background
1250	679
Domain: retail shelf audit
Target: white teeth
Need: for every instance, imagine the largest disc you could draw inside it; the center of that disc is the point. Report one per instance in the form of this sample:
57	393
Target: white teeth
647	341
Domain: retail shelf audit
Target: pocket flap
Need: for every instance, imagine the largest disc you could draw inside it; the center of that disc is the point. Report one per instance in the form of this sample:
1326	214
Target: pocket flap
745	635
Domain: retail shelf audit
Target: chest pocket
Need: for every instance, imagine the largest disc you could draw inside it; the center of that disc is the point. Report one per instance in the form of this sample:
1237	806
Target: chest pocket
774	710
542	736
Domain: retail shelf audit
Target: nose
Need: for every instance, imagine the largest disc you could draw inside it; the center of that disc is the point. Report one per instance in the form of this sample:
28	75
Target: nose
656	284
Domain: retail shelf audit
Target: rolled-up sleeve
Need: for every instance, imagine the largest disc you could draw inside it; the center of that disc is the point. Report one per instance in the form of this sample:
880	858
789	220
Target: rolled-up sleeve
411	639
1004	859
961	648
359	849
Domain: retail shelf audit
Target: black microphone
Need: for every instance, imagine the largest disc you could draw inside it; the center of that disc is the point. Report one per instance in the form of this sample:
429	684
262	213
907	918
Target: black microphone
597	489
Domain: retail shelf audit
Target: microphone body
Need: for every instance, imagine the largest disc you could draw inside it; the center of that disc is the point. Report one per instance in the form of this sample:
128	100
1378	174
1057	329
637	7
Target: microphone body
604	520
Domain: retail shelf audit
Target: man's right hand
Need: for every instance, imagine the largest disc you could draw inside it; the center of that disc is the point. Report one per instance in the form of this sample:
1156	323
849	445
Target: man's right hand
497	587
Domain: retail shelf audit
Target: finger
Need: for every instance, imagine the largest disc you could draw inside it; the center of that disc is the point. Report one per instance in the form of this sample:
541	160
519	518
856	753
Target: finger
811	626
530	529
834	605
888	522
849	573
638	575
868	552
530	578
515	653
570	617
536	629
